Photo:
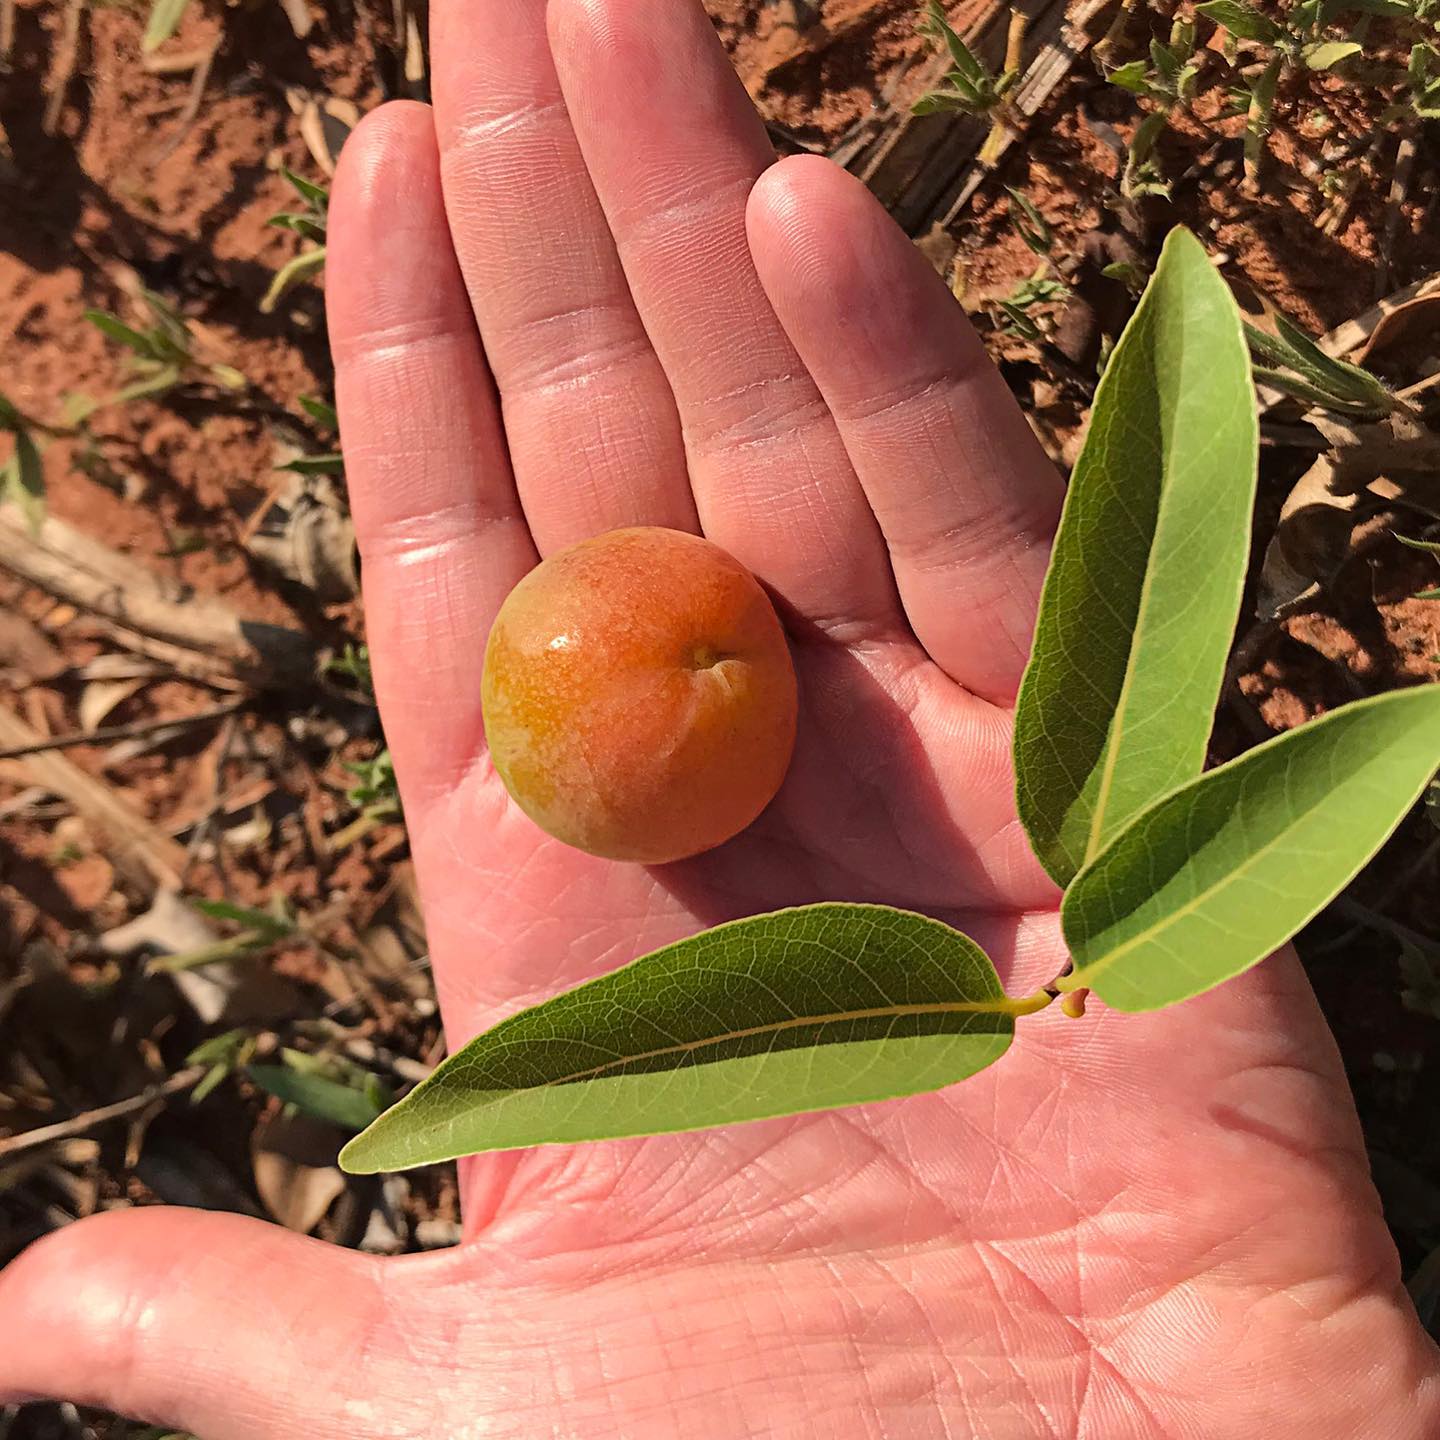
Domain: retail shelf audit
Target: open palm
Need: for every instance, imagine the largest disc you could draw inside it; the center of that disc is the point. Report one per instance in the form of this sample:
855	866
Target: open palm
576	296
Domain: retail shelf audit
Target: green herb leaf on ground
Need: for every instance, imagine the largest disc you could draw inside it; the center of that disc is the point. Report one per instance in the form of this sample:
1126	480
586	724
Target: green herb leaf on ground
324	1099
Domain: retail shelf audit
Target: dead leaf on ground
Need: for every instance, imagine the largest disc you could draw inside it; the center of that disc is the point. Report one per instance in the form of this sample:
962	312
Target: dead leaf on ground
295	1170
101	697
308	537
26	651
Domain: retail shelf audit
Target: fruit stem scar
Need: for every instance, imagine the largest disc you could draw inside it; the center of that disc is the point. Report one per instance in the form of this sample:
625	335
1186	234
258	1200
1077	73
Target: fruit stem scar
706	657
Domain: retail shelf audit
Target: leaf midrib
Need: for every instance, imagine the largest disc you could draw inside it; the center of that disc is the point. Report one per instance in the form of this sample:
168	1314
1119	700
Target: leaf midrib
1094	841
1233	874
1000	1005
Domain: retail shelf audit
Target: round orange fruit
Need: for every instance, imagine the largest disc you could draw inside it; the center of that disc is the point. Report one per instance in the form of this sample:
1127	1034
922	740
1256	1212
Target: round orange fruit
639	697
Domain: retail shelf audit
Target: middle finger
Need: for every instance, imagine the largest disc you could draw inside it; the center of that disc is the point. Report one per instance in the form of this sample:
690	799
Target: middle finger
674	147
589	417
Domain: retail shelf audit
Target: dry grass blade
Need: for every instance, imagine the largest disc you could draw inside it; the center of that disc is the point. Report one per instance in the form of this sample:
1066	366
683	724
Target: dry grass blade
137	847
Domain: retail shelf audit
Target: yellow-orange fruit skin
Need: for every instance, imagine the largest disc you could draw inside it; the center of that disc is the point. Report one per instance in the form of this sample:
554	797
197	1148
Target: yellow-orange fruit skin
639	697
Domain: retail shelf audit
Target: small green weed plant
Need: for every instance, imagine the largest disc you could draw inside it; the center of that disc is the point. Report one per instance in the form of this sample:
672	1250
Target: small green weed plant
1175	879
163	355
1261	48
309	222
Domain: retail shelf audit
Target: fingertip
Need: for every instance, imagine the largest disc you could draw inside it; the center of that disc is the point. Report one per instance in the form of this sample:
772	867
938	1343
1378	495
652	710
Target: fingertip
379	156
791	190
579	27
820	239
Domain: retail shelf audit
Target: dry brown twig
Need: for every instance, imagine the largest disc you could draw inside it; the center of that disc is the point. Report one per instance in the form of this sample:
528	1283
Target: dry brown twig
7	30
1394	207
149	614
190	112
67	56
89	1120
130	731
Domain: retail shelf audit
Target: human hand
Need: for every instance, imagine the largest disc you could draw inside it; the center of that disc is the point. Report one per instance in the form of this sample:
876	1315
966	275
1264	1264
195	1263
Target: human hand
1137	1226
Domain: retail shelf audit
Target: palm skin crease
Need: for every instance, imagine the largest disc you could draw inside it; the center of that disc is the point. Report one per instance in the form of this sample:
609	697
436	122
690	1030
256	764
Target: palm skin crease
577	295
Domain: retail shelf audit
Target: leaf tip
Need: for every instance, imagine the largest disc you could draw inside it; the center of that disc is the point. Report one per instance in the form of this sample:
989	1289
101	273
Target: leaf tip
356	1155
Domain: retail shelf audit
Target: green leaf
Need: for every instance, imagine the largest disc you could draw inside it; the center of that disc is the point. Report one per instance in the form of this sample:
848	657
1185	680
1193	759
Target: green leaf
219	1049
935	103
164	21
1331	53
304	265
1293	386
332	464
964	58
228	377
1241	20
317	195
798	1010
166	377
1166	62
1134	77
341	1105
267	920
320	412
1037	233
26	480
1145	578
1147	134
1260	114
306	226
116	329
168	320
1220	873
77	407
1431	547
1325	380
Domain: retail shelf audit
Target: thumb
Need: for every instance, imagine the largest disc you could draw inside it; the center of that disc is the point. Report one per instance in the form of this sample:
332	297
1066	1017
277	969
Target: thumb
220	1325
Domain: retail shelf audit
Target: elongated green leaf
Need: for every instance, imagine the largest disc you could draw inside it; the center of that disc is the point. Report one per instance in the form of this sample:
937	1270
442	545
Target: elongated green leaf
1330	53
1145	580
161	379
1350	382
245	915
1242	20
1134	77
320	412
798	1010
1217	875
302	267
317	195
937	24
341	1105
27	487
331	464
116	329
163	22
